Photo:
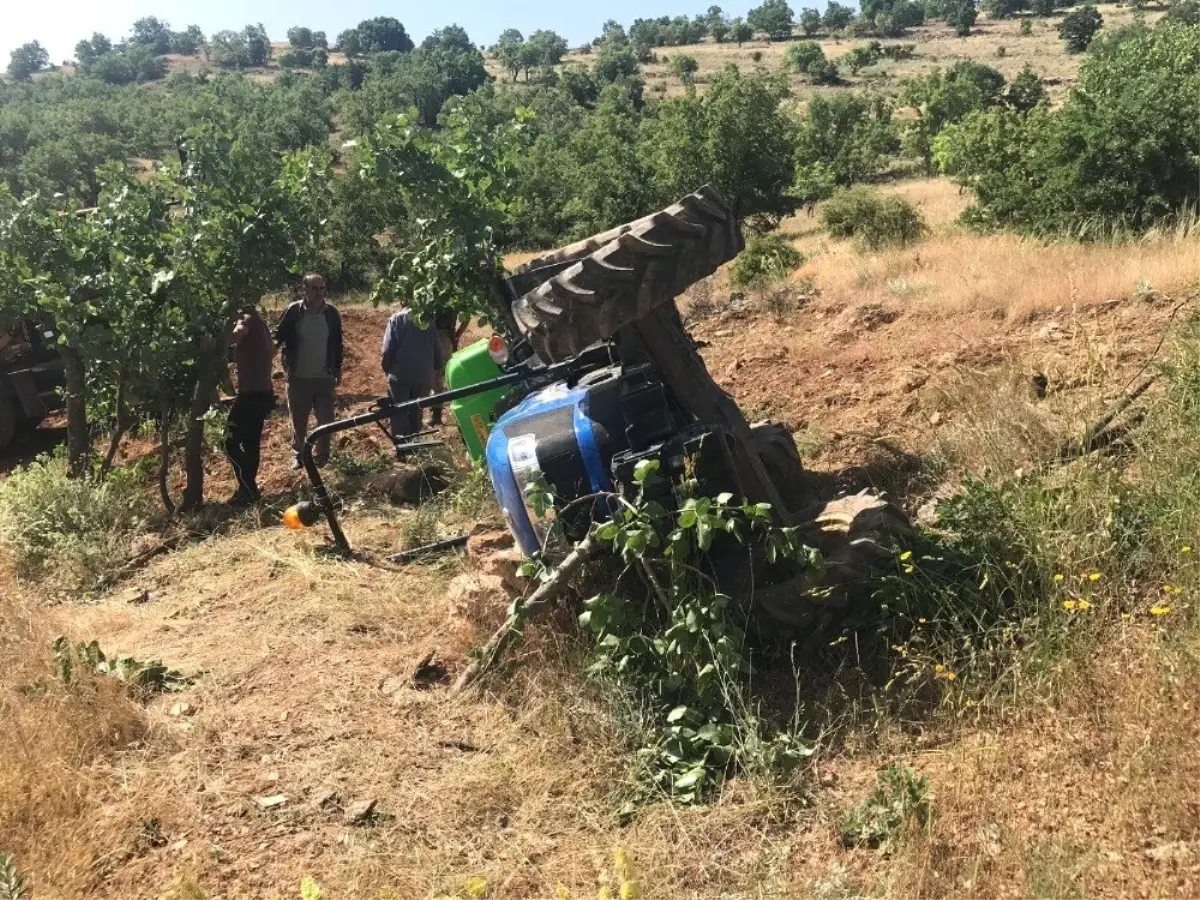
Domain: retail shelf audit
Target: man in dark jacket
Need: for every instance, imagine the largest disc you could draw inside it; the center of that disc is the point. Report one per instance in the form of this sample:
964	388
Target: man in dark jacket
412	354
253	353
310	334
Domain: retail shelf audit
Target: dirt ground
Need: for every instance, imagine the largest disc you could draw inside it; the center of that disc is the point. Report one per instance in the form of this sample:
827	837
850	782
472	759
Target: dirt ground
307	707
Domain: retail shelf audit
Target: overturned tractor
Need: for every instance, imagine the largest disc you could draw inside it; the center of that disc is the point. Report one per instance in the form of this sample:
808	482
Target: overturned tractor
597	374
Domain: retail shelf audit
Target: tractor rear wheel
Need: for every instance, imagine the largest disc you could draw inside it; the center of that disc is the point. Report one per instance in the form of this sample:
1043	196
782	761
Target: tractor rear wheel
620	276
780	458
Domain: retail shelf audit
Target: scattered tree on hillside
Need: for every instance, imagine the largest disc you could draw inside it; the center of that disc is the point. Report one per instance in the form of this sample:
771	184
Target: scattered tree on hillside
187	42
1004	9
837	17
88	51
1184	12
614	62
27	60
1042	8
963	17
684	67
740	32
1077	28
375	36
240	49
942	98
1025	91
810	21
152	33
774	17
841	140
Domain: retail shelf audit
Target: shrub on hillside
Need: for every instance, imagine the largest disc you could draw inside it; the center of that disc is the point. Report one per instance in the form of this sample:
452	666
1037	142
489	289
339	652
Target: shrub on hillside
72	526
1108	158
767	258
874	220
1077	28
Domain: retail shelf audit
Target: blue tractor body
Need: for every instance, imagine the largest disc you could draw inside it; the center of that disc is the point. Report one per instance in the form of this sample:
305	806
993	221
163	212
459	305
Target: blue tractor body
565	435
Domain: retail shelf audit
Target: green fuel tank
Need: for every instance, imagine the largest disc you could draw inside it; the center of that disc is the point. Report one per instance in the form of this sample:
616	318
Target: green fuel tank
474	415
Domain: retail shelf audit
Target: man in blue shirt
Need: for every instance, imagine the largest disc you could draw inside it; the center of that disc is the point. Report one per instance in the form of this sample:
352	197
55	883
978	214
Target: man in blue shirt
411	356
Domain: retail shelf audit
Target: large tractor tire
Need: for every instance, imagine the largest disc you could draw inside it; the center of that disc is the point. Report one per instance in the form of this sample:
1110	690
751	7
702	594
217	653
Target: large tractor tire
777	451
860	538
622	275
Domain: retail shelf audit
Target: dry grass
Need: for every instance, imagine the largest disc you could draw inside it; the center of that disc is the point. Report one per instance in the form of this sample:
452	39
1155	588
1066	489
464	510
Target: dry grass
937	46
61	809
958	271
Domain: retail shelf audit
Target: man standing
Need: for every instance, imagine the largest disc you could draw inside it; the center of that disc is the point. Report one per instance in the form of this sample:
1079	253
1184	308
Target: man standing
253	352
448	332
310	334
412	354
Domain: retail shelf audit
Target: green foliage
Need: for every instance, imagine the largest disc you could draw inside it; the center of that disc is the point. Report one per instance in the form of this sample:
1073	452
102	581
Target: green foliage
963	17
837	17
942	98
459	192
1026	28
684	67
841	140
12	883
1183	12
71	527
735	136
740	31
774	17
808	58
615	62
240	49
901	796
861	57
767	258
143	677
677	650
1026	91
1004	9
1077	28
873	219
27	60
375	36
1121	151
810	21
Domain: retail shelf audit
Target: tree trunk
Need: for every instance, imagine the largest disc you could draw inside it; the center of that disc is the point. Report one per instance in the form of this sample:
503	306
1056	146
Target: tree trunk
78	444
207	378
164	455
120	426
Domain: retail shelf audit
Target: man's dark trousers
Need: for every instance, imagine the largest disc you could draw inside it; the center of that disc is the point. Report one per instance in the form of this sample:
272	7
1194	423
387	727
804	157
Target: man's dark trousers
406	422
243	438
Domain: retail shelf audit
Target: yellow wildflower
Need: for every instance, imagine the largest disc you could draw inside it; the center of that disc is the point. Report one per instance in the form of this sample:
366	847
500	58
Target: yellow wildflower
1095	576
1125	617
1159	610
1058	578
1083	604
908	570
906	555
1185	549
475	887
939	668
923	621
1069	604
950	676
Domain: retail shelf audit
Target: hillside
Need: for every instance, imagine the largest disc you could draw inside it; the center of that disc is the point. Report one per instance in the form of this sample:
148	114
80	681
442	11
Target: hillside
957	654
904	370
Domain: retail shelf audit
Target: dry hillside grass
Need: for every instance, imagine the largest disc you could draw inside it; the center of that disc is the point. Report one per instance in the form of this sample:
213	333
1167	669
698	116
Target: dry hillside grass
1075	774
